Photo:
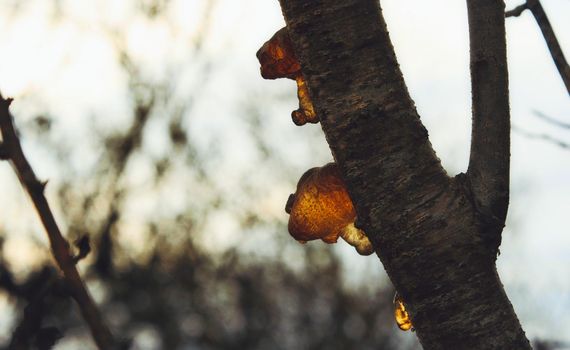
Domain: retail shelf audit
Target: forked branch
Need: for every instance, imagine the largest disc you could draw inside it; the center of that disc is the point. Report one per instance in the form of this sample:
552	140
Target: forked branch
11	149
419	220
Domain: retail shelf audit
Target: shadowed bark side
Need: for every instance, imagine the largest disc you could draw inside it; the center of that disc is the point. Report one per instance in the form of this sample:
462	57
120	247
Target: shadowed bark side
423	224
489	161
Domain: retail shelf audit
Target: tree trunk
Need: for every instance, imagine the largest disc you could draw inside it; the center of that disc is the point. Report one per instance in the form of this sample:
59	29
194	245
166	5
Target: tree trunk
436	236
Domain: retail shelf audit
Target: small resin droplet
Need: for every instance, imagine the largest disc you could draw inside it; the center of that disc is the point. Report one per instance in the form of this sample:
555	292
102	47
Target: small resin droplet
358	239
306	112
400	314
278	60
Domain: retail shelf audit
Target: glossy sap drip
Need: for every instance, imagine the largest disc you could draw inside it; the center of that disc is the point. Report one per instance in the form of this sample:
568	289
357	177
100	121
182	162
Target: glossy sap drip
401	315
321	209
278	60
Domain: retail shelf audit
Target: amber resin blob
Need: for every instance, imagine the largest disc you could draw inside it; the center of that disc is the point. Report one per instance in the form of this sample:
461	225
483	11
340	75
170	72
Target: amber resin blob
322	209
278	60
402	317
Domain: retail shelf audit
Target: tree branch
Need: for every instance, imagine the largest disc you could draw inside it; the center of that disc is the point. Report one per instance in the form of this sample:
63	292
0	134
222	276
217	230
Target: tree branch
420	221
543	137
354	97
59	246
517	11
550	38
551	120
488	171
551	41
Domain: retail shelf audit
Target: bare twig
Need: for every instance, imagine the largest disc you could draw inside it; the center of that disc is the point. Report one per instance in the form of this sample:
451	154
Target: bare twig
551	41
543	137
59	246
551	120
83	244
517	11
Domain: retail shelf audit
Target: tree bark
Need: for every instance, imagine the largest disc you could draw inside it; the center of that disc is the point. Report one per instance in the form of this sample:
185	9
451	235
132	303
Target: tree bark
427	228
489	162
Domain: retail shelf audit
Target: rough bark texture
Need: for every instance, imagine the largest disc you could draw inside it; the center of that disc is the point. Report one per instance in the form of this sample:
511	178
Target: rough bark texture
426	227
488	171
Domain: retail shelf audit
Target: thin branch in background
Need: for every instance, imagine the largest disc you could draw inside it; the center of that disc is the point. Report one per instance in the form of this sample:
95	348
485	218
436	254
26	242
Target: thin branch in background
551	41
551	120
543	137
12	149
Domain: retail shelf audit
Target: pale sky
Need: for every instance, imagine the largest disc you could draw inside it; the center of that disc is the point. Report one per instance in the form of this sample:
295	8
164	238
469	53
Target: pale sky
69	68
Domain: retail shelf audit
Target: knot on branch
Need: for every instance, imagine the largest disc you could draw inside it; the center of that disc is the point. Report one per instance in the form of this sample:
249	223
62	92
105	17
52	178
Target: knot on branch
5	102
83	246
39	186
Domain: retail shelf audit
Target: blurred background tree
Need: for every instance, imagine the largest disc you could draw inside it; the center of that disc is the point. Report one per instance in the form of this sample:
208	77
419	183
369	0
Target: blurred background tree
146	118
